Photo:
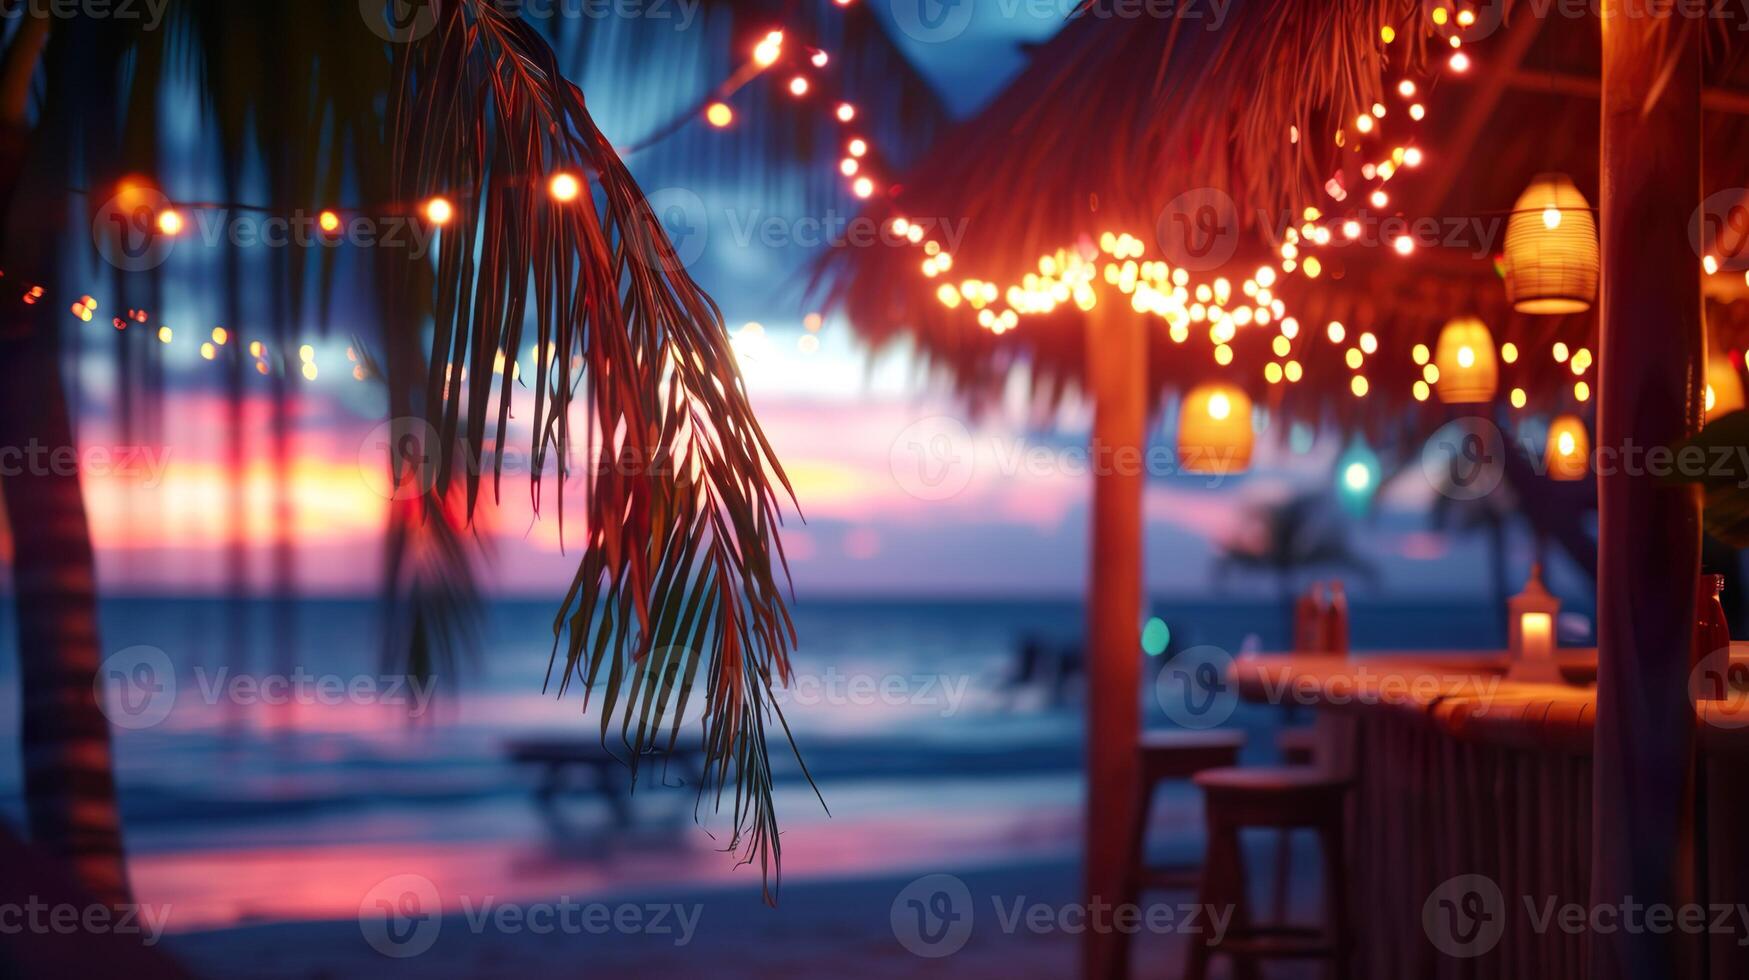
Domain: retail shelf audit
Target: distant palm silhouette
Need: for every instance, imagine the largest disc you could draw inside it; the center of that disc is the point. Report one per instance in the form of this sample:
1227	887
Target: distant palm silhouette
1287	540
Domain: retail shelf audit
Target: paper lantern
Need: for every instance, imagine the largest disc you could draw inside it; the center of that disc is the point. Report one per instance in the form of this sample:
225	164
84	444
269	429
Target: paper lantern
1214	430
1465	358
1569	449
1551	248
1724	387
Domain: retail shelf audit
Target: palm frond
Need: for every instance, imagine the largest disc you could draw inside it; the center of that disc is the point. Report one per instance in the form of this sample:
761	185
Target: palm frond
681	570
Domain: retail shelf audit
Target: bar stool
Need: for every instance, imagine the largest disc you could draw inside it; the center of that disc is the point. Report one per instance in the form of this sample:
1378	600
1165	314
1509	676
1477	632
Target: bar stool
1298	747
1166	756
1284	798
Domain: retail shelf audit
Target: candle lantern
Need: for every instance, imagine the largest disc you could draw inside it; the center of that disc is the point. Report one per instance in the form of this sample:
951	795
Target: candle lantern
1567	455
1724	387
1551	248
1531	630
1214	430
1465	358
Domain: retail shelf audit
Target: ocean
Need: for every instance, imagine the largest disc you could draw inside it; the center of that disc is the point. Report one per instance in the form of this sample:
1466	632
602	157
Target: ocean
301	754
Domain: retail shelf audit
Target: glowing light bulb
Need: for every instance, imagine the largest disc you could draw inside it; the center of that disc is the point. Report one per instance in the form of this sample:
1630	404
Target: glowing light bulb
328	221
1403	244
719	114
1363	123
1417	111
848	167
846	112
819	59
768	50
1351	229
439	211
1379	199
1710	264
863	187
1412	157
1405	88
564	187
798	86
858	147
1551	217
1518	398
170	221
1459	62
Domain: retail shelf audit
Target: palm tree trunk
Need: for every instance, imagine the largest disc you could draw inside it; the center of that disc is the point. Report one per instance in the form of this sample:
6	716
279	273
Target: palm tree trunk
69	783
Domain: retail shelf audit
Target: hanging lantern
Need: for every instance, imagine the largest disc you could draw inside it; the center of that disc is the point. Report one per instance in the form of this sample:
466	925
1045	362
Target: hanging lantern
1551	248
1569	449
1724	387
1214	430
1465	358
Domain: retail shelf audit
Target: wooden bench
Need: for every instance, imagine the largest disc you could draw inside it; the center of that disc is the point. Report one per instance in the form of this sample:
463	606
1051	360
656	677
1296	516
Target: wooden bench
610	772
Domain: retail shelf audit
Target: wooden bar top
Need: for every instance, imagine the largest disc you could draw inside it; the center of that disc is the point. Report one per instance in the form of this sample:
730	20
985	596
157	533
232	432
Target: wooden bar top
1467	694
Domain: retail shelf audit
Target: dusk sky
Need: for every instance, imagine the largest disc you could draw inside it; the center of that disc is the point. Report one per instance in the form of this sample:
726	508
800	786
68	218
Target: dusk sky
840	419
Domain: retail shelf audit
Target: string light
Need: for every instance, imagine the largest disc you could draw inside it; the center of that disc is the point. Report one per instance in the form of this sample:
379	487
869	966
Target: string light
564	187
719	114
439	211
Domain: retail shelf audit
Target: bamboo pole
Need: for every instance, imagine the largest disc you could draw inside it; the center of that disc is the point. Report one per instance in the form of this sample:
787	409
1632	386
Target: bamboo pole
1117	370
1653	353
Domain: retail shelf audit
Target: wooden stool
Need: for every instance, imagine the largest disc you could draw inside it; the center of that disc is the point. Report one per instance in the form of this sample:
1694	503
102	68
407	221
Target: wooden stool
1166	756
1286	798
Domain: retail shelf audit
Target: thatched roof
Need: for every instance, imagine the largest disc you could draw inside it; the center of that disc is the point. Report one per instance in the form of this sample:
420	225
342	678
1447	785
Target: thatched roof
1118	117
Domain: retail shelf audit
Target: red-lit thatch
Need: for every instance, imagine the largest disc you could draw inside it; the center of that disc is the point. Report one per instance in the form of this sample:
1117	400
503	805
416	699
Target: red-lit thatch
1116	118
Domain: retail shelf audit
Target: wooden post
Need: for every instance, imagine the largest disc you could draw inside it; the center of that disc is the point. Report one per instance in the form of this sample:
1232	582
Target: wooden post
1118	373
1653	352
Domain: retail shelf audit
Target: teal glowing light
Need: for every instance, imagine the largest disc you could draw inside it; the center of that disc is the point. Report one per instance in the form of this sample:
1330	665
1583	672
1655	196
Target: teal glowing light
1155	637
1357	477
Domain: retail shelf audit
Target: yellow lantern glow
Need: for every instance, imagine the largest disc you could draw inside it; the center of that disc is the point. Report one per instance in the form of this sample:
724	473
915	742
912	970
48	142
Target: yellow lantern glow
1724	387
1569	449
1214	430
1551	248
1464	357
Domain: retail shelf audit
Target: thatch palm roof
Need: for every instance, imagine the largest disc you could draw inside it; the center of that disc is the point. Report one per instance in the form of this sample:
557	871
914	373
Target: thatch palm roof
1116	118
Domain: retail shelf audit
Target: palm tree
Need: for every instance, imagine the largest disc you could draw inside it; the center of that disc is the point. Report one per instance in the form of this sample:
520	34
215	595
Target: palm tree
1287	538
679	590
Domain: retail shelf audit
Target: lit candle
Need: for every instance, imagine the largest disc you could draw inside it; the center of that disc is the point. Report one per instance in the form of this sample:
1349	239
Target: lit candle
1537	632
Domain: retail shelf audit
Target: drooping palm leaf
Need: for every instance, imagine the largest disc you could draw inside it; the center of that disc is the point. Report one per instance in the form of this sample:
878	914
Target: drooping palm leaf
681	568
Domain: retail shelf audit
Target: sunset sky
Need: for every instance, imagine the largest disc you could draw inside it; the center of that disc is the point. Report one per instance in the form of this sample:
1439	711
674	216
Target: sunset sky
845	425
